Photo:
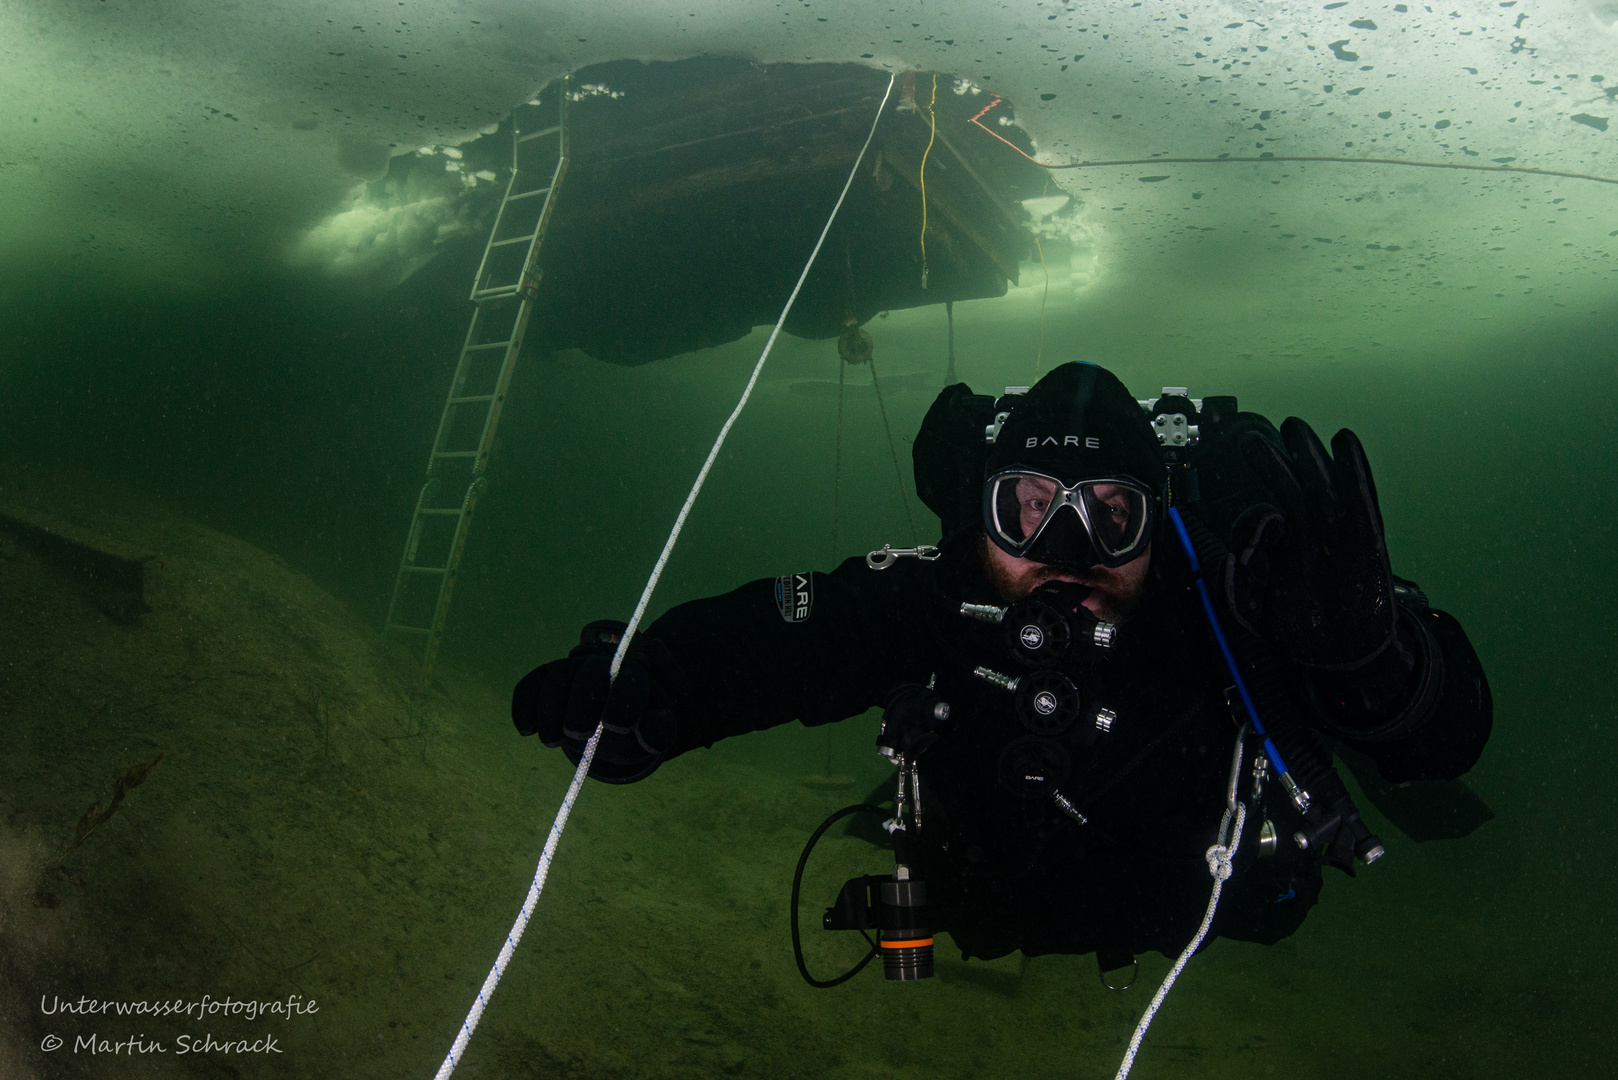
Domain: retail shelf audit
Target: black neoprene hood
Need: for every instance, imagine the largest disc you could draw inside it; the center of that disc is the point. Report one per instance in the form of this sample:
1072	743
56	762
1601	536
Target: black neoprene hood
1079	423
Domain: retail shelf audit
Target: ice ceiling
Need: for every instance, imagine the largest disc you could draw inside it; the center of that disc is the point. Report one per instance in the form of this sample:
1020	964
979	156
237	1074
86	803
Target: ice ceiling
173	143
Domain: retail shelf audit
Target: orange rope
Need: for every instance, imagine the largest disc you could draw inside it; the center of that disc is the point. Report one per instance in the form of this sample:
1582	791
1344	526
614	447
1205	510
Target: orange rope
985	109
1008	142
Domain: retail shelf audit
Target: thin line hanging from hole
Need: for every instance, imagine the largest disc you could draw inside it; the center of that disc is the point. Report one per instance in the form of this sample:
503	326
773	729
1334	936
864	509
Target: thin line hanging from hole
837	464
893	451
1040	355
854	347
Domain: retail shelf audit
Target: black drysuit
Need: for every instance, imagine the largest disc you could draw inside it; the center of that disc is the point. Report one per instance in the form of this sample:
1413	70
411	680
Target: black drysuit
1006	871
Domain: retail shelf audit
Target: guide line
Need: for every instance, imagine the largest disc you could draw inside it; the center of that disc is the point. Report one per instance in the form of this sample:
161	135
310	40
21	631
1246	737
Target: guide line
1266	159
464	1036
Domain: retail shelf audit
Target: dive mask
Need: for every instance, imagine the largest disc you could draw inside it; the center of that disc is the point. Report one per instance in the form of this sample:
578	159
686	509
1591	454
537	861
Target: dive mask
1111	522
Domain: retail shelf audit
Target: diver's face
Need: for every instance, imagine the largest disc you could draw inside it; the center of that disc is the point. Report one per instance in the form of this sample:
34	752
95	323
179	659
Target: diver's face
1115	592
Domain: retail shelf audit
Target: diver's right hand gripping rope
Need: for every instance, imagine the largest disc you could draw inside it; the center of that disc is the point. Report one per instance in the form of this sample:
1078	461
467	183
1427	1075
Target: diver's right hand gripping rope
470	1024
1220	859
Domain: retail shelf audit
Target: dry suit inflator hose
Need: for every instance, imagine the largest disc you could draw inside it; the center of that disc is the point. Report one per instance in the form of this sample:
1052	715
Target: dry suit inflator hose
470	1024
1332	825
1270	750
1221	855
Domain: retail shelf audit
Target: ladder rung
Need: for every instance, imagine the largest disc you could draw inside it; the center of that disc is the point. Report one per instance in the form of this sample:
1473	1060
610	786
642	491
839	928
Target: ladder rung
528	194
488	296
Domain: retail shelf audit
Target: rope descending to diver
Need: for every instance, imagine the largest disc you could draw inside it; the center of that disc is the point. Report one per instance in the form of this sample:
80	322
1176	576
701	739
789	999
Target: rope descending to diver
470	1024
837	471
893	452
1219	858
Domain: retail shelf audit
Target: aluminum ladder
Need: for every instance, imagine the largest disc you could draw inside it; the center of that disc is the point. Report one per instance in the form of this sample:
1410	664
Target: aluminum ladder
503	291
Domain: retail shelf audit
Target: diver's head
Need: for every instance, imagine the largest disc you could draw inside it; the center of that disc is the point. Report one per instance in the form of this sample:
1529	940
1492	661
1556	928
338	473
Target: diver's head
1073	489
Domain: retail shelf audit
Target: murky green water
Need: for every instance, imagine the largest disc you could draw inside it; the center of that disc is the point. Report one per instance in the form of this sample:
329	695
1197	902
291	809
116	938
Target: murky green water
315	829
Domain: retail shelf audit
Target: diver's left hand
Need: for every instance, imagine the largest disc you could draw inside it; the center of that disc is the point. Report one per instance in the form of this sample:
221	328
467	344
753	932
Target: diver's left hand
1312	577
566	701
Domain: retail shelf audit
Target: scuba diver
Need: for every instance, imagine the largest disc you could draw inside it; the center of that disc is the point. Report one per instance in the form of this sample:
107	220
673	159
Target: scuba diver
1118	595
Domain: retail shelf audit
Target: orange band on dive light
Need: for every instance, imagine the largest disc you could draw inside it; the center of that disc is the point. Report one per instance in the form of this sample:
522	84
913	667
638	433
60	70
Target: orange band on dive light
917	943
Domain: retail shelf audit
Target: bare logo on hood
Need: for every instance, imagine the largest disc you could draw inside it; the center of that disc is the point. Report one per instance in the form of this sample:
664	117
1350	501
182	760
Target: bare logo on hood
794	596
1089	442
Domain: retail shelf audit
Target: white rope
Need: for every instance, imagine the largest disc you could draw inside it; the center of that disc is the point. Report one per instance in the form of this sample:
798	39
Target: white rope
470	1024
1219	858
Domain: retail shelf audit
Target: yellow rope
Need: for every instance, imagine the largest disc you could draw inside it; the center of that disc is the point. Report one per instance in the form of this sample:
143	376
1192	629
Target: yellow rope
1039	356
932	119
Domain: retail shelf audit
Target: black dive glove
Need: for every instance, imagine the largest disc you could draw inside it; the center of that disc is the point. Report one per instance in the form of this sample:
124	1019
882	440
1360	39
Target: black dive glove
564	700
1312	577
